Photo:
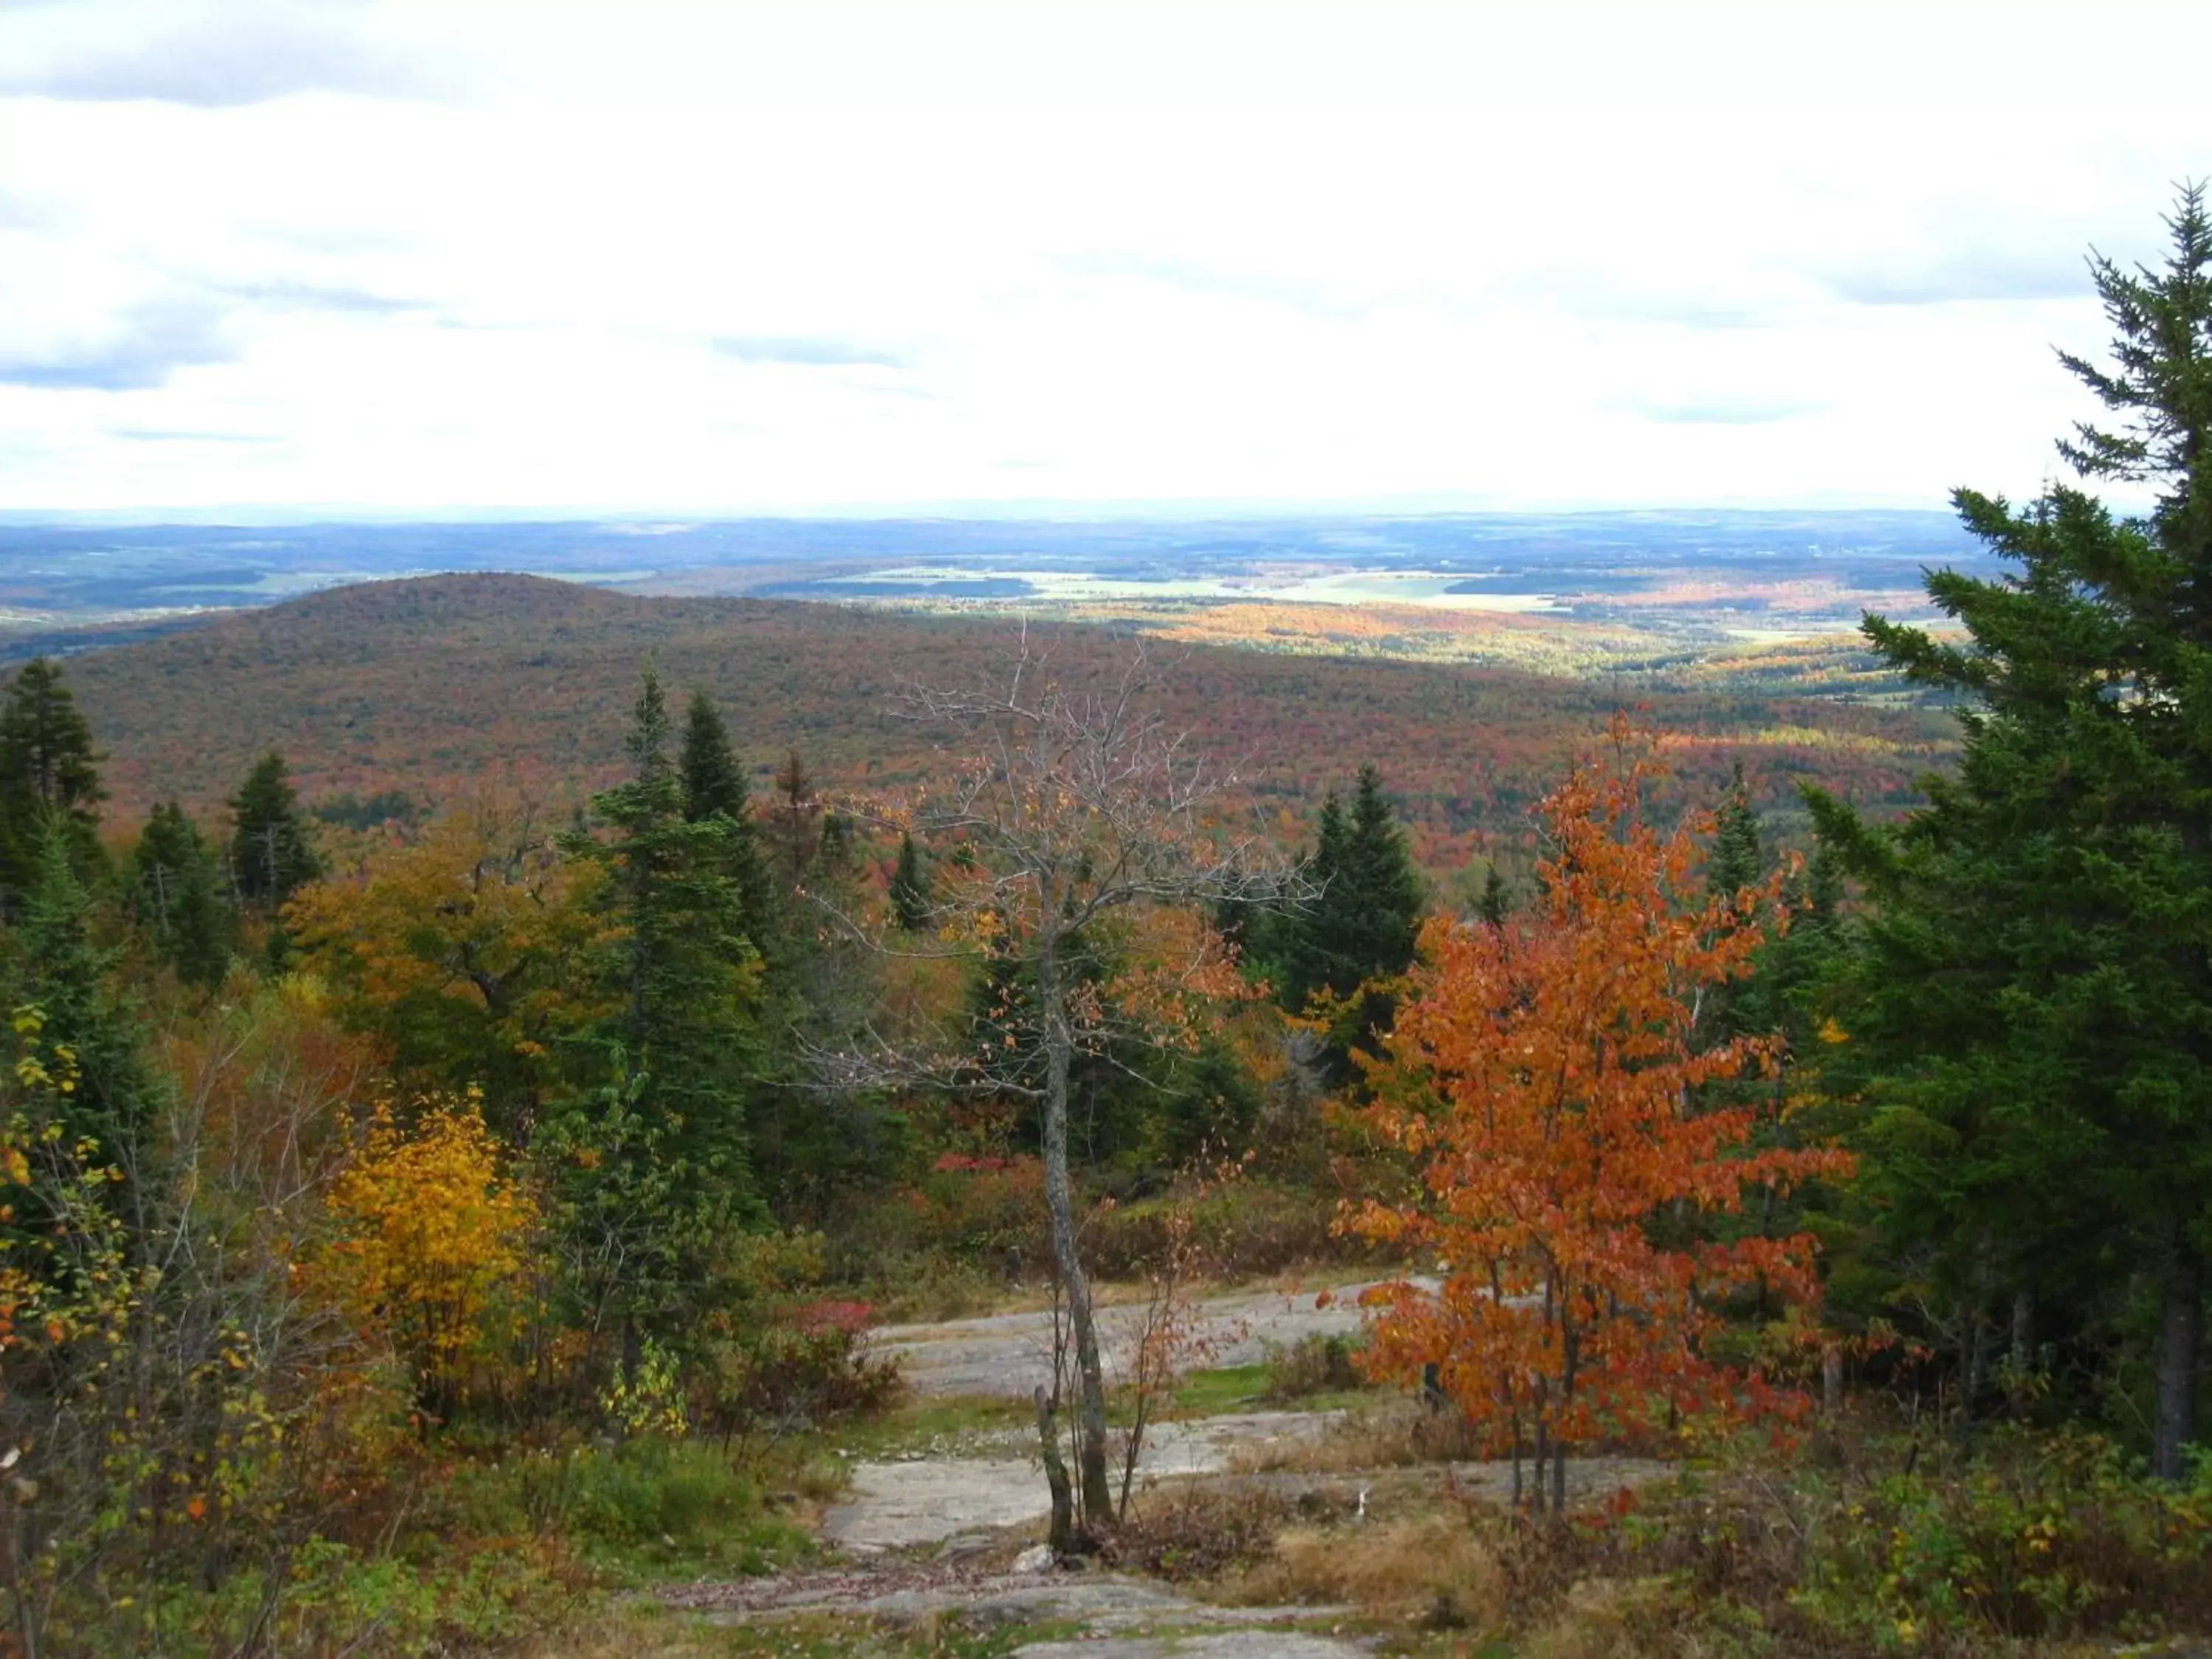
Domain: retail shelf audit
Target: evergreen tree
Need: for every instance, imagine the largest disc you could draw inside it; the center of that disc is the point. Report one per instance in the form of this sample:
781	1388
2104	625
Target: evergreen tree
1383	878
796	811
1365	921
672	1058
2037	980
834	848
1736	862
910	899
1496	903
1736	1008
713	780
59	968
714	785
1301	938
176	891
49	771
271	856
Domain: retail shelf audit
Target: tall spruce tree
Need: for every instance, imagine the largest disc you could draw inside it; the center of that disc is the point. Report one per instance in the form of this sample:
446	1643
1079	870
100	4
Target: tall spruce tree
1496	902
714	785
1364	921
1301	938
49	773
59	968
2030	1019
1736	862
1735	1008
271	855
909	889
176	891
666	1112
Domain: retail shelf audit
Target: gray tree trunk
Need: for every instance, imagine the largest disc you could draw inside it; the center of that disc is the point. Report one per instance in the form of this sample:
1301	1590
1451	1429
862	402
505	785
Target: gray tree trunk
2181	1338
1062	1534
1060	1206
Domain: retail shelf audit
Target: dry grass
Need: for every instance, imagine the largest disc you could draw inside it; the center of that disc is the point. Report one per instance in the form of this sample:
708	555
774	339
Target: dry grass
1393	1436
1198	1533
626	1632
1611	1618
1435	1567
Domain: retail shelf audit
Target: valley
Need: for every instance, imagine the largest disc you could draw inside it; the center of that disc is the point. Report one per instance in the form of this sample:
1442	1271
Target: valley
1701	594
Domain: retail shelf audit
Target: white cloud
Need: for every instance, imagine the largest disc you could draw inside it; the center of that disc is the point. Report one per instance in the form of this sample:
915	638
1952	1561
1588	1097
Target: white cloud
688	257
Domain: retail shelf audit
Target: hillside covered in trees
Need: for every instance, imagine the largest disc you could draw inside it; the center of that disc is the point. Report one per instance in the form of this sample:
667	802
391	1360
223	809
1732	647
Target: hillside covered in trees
431	685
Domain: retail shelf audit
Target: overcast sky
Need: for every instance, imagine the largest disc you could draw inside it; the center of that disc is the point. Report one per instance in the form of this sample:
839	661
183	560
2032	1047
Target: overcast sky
639	256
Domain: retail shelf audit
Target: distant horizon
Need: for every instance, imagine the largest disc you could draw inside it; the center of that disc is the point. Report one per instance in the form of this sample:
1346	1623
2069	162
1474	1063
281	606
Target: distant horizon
245	515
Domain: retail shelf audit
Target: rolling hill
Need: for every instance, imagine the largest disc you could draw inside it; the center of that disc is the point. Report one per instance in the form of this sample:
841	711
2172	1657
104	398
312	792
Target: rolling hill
435	685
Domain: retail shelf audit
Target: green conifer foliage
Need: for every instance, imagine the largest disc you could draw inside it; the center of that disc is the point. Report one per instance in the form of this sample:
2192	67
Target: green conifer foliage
60	970
714	785
666	1115
1496	903
910	893
1736	862
1383	879
1302	939
713	780
49	771
271	856
2030	1017
1366	918
175	891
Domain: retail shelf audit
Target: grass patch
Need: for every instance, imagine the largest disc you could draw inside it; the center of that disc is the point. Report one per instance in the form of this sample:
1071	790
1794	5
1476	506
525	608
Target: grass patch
1250	1388
947	1425
642	1512
1224	1388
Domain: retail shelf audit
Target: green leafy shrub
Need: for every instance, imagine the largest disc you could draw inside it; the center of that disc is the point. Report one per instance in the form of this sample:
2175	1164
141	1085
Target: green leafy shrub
807	1366
2038	1540
643	1507
1315	1363
2057	1536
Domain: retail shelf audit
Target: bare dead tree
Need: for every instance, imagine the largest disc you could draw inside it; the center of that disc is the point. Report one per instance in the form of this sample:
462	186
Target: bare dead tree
1070	812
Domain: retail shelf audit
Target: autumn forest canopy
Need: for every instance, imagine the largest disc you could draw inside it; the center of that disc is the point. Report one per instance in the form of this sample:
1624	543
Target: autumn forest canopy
481	1053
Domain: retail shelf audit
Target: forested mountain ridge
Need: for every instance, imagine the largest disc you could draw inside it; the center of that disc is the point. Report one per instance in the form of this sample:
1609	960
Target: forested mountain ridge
428	684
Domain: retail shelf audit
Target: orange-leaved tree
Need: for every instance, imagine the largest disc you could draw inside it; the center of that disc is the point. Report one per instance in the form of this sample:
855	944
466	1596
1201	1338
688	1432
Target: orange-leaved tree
1547	1077
433	1241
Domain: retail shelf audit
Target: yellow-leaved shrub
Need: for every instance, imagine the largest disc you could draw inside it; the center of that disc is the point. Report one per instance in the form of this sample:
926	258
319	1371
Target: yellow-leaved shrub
433	1242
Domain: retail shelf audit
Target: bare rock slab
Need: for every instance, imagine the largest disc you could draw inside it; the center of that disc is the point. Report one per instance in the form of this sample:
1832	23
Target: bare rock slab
1002	1355
899	1505
894	1506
